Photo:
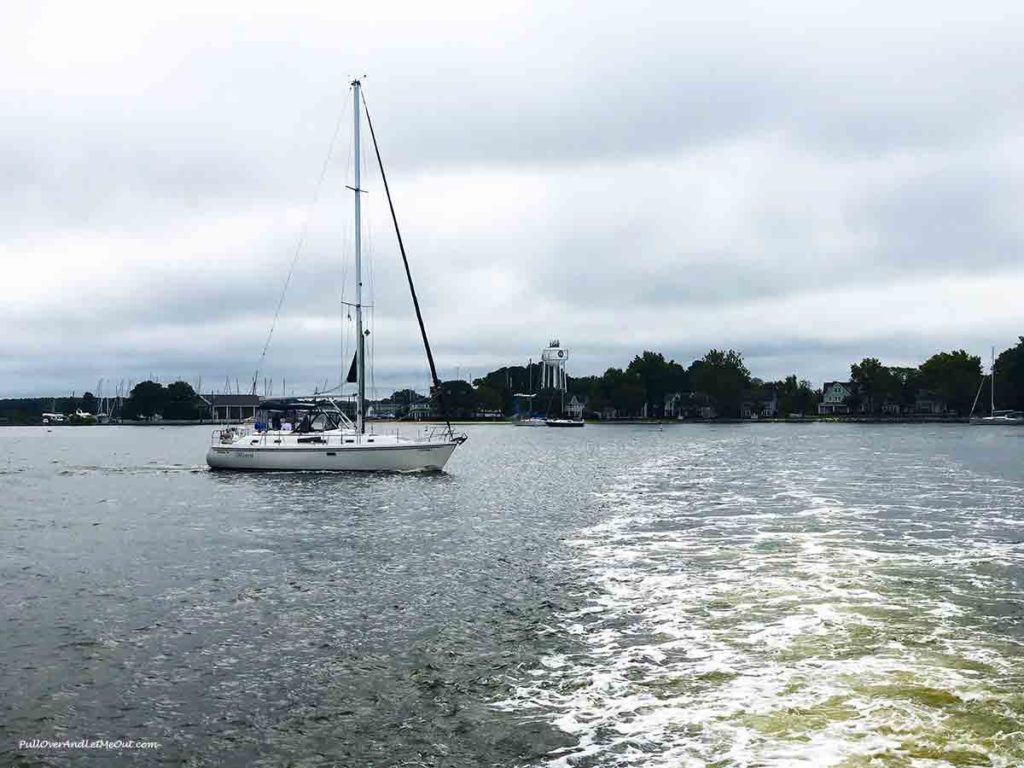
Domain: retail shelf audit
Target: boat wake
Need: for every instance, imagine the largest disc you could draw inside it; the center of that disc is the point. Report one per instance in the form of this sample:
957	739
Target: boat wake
735	619
147	469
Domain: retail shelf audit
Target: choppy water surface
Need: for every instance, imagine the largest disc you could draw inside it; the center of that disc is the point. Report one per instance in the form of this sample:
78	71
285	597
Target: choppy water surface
758	595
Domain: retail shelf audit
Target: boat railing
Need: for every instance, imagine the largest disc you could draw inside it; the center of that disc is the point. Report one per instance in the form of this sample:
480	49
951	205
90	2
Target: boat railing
228	435
441	434
233	434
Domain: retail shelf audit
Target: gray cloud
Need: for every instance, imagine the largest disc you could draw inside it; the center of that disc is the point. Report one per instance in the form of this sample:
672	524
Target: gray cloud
642	176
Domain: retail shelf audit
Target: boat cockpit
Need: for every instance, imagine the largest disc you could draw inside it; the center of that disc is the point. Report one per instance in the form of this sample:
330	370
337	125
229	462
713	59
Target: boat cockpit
300	416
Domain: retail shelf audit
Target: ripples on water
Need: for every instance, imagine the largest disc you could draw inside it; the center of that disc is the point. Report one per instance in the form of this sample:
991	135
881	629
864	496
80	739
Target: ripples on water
782	601
264	619
620	596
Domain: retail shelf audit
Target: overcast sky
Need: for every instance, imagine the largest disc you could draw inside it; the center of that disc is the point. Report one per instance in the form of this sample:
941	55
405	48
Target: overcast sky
810	185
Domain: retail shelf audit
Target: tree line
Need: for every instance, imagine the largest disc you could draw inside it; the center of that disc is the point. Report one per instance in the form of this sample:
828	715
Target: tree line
30	410
953	378
652	386
176	401
718	383
148	399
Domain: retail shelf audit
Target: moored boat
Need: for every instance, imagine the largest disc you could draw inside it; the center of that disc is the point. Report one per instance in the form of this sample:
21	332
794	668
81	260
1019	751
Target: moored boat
1000	418
995	418
564	422
530	421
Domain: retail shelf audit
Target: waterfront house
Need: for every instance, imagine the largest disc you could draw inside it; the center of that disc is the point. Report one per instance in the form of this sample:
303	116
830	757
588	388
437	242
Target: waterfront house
930	404
689	405
760	402
383	410
673	406
231	407
835	398
423	410
574	408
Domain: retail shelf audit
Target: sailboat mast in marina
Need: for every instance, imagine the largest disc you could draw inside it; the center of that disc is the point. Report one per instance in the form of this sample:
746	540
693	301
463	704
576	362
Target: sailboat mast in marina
996	418
313	433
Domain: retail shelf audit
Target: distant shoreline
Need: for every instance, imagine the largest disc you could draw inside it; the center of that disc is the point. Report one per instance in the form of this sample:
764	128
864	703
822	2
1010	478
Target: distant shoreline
598	422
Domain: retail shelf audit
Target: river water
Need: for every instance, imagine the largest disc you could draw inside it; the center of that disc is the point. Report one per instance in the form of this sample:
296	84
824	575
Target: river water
735	595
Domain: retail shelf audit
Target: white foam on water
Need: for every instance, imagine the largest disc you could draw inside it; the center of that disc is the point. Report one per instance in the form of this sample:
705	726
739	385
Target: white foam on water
789	625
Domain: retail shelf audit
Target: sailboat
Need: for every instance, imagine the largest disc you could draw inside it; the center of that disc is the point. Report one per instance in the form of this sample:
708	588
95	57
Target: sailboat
562	420
529	419
1012	418
314	433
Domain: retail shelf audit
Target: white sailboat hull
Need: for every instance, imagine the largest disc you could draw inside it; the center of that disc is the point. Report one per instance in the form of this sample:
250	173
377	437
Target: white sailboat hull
410	458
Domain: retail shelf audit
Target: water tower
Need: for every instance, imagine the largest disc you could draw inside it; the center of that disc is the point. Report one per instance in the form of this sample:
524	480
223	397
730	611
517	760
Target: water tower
552	372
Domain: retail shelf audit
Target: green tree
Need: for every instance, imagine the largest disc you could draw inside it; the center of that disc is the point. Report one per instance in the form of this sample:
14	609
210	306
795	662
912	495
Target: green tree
759	394
404	399
908	381
145	401
581	386
459	397
796	396
627	393
490	398
952	376
1009	373
617	389
89	404
181	402
658	377
722	377
875	382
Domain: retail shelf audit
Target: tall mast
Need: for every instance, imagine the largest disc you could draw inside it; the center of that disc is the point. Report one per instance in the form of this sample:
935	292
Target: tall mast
360	347
992	395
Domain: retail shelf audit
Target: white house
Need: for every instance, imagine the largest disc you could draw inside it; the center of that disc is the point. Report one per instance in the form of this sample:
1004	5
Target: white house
422	410
574	408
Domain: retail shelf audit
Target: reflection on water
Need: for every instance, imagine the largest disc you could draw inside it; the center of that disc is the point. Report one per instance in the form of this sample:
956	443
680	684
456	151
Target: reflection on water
736	595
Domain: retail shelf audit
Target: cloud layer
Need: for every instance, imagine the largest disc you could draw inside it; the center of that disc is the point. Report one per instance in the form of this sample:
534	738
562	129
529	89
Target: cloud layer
809	184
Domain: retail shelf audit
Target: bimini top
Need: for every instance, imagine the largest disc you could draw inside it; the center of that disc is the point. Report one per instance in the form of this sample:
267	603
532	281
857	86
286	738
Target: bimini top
292	404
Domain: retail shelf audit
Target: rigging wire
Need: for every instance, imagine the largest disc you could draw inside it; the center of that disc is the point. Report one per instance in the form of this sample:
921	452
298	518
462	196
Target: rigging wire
371	282
346	243
298	246
437	388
